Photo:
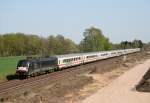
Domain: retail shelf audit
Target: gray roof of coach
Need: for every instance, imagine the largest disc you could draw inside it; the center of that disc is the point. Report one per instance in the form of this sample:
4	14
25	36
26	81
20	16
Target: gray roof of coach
80	54
69	55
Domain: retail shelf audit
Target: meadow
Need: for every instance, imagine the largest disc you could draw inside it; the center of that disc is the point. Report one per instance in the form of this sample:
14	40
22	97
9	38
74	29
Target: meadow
8	65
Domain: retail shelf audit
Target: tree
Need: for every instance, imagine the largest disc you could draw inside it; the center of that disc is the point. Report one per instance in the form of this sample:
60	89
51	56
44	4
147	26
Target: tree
137	43
124	44
60	45
44	48
94	40
133	44
1	45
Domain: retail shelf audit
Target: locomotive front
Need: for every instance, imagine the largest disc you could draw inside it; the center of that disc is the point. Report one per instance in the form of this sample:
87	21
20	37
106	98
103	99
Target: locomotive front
22	67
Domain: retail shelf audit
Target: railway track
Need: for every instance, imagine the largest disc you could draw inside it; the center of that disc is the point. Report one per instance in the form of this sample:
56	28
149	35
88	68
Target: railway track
13	85
9	86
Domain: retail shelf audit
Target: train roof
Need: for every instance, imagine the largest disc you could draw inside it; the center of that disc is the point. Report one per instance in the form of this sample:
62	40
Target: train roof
32	59
81	54
73	55
89	53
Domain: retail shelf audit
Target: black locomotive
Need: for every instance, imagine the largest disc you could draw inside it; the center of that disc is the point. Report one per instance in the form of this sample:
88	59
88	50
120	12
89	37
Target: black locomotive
36	66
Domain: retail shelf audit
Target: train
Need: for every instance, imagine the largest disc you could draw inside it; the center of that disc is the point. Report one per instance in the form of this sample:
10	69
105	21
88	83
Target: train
36	66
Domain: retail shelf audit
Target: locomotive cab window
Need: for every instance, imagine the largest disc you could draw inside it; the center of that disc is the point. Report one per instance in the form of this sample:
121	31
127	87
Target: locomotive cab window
22	63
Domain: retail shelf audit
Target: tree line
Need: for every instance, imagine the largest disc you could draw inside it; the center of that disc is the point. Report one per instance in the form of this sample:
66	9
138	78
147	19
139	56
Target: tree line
129	44
16	44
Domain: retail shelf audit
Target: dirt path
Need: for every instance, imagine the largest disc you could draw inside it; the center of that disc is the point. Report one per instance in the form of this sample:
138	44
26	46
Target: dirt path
122	89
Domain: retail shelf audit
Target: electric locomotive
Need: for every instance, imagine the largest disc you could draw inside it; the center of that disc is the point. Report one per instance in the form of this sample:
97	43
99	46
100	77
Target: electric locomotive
36	66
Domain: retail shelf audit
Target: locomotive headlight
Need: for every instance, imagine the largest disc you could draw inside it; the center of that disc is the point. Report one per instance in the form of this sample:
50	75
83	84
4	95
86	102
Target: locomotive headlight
24	69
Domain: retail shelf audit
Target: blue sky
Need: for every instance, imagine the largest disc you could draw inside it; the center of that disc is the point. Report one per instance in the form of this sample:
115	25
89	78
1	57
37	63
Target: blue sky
118	19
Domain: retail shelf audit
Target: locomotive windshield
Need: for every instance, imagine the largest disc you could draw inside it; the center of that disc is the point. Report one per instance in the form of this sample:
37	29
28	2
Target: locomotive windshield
23	63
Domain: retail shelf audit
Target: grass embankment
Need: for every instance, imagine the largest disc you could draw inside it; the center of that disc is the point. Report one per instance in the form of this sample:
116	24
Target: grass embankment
8	65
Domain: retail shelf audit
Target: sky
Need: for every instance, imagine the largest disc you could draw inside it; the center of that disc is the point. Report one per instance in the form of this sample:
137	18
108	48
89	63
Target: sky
118	19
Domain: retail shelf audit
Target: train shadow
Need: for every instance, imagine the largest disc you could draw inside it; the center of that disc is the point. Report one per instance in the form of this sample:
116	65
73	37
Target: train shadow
12	77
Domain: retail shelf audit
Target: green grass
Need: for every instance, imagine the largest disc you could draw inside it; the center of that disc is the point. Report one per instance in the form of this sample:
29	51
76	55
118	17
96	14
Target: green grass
8	65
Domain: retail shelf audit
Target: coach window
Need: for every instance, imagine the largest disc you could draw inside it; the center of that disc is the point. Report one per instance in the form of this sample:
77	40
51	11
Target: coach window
65	60
69	60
